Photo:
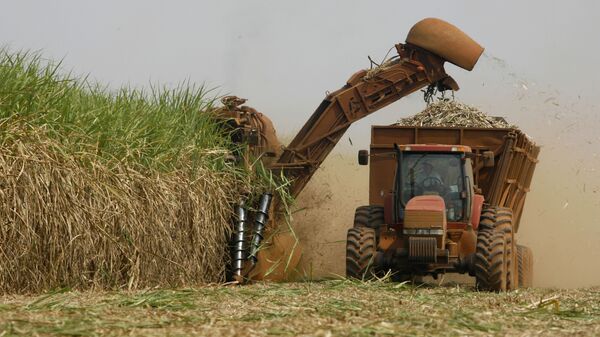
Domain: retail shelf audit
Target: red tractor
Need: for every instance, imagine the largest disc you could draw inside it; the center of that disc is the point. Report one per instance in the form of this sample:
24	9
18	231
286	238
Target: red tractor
444	200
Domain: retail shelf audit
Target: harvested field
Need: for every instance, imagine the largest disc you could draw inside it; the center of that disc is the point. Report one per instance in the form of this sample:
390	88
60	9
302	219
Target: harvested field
328	308
109	190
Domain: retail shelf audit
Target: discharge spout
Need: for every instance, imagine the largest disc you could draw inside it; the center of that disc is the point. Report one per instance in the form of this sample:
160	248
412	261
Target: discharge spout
446	41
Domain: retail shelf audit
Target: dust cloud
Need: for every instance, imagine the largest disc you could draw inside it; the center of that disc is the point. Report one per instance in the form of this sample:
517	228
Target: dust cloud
561	222
325	210
561	219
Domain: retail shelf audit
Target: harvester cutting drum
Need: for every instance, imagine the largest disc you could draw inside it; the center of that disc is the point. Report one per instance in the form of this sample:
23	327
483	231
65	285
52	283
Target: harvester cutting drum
410	231
246	244
239	241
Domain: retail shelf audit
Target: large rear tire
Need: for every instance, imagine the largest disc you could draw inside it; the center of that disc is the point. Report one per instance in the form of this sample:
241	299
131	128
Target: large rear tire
361	246
525	266
369	216
361	216
495	263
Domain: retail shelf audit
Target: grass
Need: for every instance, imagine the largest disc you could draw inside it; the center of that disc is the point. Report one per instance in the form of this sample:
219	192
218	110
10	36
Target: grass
159	128
328	308
119	189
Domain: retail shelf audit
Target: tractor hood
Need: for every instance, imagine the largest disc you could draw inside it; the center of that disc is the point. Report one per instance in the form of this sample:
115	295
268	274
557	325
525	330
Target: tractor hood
445	40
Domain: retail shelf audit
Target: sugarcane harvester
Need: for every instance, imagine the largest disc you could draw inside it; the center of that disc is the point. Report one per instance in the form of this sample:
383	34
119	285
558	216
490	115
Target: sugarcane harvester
418	63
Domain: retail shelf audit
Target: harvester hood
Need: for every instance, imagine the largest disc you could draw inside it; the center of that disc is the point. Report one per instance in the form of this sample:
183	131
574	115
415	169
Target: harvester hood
445	40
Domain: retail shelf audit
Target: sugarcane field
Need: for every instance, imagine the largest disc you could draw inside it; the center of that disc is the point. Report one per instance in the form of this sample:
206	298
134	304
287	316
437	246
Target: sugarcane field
299	169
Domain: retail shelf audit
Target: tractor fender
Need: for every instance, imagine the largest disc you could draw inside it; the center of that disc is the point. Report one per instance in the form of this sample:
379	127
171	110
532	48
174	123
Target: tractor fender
476	207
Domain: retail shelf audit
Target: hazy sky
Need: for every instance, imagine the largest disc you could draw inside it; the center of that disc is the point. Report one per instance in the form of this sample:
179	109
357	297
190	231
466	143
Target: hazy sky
285	55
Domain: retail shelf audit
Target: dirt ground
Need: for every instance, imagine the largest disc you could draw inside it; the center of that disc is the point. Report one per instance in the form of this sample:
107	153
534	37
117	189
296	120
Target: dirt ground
330	308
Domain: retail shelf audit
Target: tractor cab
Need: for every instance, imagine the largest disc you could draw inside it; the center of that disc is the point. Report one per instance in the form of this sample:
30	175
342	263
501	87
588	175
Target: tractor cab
433	170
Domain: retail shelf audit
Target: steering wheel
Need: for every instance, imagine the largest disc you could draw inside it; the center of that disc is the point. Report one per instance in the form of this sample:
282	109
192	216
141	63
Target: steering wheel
432	183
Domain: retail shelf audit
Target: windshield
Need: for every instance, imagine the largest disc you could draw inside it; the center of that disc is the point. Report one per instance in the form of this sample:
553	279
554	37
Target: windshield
434	174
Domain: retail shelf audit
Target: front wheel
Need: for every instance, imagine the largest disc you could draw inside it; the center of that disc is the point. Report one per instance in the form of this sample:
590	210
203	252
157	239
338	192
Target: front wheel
369	216
361	246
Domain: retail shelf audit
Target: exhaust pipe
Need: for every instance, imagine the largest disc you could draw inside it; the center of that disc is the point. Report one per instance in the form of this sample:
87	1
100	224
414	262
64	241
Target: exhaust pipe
260	220
238	251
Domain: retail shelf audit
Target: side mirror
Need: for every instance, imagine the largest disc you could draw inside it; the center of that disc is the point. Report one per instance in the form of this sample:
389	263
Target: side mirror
363	157
488	159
